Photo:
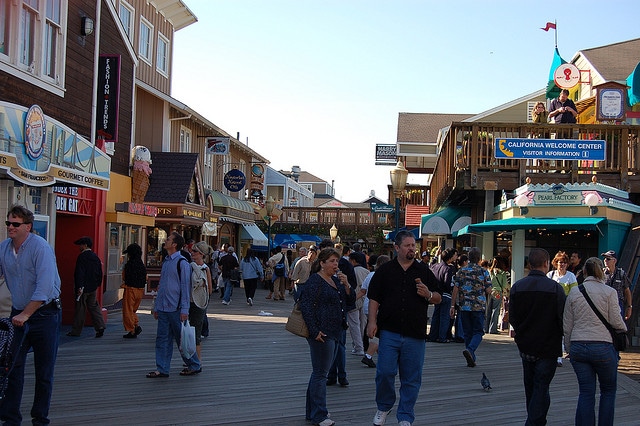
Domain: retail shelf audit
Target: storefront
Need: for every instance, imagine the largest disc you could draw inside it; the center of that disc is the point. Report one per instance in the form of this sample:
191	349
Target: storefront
58	175
237	225
591	218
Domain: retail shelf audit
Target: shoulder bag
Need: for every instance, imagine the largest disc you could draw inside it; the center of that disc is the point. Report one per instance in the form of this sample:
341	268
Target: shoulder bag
620	339
295	322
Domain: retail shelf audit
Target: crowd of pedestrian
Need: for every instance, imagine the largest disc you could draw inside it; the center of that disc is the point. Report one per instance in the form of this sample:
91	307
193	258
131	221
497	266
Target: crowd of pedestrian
380	302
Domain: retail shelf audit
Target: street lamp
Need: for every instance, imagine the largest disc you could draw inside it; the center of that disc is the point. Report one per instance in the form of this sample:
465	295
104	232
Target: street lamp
333	232
398	183
269	206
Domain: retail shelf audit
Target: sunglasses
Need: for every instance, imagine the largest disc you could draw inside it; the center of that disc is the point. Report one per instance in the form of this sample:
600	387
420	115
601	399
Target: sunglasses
14	224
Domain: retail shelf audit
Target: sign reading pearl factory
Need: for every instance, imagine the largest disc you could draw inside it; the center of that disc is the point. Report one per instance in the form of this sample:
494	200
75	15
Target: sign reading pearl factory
108	95
234	180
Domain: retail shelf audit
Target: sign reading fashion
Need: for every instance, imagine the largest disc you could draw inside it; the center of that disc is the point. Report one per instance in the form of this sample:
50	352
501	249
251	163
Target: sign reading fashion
108	95
234	180
550	149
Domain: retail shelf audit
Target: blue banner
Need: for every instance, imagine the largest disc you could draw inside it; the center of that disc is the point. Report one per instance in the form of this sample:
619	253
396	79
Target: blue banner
550	149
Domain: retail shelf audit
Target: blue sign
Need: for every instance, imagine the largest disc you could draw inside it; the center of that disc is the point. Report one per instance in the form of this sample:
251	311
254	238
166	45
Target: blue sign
550	149
234	180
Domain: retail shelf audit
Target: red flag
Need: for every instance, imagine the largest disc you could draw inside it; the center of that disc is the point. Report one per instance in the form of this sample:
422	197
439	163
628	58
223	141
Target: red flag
550	25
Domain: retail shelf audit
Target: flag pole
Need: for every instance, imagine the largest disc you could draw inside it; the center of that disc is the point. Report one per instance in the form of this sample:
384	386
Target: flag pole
556	31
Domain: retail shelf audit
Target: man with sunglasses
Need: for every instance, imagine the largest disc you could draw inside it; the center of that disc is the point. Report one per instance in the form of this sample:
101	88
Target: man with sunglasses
616	277
29	267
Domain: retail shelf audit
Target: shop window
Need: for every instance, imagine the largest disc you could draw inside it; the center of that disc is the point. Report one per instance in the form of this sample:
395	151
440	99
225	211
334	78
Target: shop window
35	197
155	246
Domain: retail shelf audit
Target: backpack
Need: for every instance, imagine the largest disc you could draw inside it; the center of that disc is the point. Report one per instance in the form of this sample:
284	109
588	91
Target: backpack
279	269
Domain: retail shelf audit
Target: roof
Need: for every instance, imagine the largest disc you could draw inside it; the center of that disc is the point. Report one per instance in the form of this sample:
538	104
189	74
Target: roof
614	62
424	126
176	12
172	174
514	223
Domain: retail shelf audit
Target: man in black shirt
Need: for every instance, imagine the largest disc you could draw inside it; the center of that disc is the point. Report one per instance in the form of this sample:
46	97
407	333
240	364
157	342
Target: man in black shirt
562	109
399	295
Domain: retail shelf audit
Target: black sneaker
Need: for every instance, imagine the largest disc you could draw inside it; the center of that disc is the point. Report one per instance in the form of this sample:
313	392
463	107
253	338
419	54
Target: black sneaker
368	362
100	333
470	361
137	330
129	335
343	383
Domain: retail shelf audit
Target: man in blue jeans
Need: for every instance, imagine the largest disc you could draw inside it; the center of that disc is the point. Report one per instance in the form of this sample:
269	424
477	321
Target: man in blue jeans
172	308
536	307
473	282
29	266
399	295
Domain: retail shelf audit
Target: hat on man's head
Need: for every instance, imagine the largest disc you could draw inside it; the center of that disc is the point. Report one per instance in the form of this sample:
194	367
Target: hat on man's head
202	247
609	253
84	240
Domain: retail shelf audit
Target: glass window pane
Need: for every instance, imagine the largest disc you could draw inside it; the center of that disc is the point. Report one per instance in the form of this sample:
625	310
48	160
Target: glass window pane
53	10
50	46
27	36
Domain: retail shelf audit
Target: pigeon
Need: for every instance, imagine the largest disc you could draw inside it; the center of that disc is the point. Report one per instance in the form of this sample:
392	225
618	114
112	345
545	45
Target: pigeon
486	385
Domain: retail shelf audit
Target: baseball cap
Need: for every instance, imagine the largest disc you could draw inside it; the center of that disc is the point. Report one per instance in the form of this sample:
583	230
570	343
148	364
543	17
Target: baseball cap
84	240
609	253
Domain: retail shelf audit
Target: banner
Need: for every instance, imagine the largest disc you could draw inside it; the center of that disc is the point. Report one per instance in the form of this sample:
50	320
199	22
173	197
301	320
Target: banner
218	145
108	96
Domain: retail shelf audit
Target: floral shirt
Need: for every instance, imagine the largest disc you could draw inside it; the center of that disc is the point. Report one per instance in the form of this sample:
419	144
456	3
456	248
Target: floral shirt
472	282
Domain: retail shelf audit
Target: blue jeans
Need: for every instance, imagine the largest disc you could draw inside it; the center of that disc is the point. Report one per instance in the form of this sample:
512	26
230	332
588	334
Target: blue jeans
441	320
404	354
169	327
473	327
588	360
42	334
228	289
537	376
339	367
322	356
493	314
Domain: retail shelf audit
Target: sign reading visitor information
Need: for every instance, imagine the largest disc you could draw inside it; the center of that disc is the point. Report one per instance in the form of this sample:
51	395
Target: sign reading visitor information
550	149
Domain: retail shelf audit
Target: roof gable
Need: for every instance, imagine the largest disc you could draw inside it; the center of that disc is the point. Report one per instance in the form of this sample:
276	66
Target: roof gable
171	177
424	127
613	62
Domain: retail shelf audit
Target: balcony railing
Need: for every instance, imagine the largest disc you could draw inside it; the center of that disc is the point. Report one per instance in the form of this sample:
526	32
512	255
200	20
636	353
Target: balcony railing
466	158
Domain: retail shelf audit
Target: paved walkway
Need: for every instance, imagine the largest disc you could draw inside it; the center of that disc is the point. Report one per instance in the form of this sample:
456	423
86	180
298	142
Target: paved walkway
255	373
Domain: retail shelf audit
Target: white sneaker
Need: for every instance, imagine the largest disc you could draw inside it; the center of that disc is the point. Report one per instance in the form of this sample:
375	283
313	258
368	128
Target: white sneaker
224	302
380	418
404	423
250	301
327	422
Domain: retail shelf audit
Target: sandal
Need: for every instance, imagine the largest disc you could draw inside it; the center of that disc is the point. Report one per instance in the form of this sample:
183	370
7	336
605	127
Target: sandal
188	372
156	374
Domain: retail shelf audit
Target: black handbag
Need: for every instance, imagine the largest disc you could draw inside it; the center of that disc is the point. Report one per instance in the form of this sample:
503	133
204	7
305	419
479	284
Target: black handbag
620	338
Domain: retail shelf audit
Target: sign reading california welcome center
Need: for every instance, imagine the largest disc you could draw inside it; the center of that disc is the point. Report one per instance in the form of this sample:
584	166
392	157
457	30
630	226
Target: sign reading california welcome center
550	149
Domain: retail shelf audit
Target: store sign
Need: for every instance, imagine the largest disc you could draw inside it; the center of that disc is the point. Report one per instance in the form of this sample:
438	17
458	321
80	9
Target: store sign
108	95
385	155
192	213
382	208
234	180
35	132
137	208
550	149
218	145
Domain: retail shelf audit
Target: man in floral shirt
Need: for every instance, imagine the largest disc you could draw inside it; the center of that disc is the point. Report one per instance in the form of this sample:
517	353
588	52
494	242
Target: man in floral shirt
473	284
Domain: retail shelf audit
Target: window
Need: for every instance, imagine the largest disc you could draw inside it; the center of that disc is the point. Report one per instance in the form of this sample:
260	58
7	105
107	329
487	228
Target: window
126	17
33	41
145	48
162	55
185	139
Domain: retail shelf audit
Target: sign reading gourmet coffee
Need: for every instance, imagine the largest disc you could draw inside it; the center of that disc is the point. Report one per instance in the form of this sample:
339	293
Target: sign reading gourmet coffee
108	95
234	180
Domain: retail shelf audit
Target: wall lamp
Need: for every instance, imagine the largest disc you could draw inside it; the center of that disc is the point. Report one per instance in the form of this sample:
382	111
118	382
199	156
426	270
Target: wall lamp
522	201
87	26
592	201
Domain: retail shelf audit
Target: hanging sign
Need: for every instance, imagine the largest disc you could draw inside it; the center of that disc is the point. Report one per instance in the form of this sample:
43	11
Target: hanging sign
234	180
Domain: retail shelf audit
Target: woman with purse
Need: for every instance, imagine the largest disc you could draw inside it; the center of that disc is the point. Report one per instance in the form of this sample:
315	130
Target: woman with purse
251	270
590	343
327	293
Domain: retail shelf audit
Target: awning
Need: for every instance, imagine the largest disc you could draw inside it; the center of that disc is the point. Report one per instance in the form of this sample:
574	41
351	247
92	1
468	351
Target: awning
511	224
232	206
415	231
292	240
253	233
446	221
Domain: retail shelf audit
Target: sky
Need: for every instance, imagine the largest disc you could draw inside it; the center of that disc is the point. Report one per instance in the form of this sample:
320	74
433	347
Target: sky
317	84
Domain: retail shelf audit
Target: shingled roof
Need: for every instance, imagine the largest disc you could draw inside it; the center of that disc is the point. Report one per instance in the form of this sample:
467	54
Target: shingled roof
615	61
424	127
172	173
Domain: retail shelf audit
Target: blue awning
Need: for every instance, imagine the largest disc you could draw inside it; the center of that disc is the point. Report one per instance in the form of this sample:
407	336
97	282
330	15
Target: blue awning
415	231
511	224
293	240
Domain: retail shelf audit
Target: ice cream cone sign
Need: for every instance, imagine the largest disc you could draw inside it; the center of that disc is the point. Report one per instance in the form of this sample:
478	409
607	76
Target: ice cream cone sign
140	162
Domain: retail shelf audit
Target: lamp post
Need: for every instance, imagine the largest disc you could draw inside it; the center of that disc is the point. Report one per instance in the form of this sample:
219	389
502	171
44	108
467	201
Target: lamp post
269	206
333	232
398	182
